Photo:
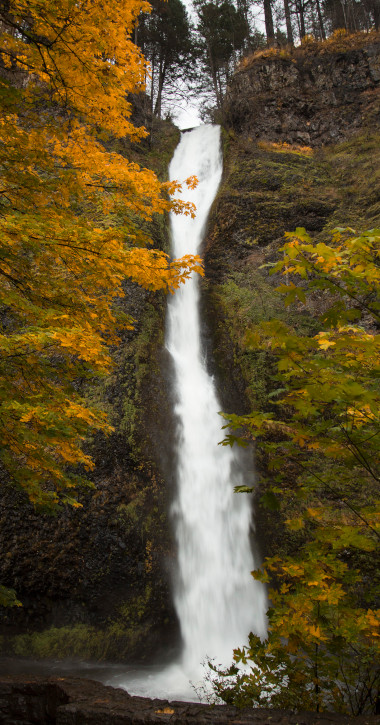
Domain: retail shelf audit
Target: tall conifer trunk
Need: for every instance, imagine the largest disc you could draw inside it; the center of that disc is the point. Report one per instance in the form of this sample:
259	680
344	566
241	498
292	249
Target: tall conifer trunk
269	28
289	29
301	18
320	20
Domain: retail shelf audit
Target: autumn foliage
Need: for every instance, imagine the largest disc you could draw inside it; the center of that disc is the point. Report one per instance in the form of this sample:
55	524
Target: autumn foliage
322	443
73	216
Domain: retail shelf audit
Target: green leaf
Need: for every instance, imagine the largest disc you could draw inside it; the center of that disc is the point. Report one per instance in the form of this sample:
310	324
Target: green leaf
8	597
270	501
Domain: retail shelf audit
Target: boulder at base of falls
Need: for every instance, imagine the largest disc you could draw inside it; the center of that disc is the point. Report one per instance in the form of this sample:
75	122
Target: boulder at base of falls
74	701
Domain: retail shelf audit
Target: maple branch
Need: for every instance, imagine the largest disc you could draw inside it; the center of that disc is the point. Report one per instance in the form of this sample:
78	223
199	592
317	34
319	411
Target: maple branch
348	688
31	37
14	57
322	275
358	454
52	79
27	352
351	295
336	496
66	24
16	282
75	54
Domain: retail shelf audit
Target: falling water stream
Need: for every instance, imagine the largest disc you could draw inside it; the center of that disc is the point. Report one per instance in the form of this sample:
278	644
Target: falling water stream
217	601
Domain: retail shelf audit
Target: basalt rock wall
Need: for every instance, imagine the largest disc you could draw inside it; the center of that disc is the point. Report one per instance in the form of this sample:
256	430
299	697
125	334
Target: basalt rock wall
315	95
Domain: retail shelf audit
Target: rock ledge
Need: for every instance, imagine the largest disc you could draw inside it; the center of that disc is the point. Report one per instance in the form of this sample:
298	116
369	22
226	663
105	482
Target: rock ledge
75	701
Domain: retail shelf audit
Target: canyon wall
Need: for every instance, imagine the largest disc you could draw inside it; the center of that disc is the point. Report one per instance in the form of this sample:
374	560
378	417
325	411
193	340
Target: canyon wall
302	149
317	94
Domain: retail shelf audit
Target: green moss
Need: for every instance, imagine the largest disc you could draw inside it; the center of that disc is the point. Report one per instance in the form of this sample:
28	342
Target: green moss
246	299
130	514
120	393
164	138
135	610
266	193
355	170
116	641
129	418
150	337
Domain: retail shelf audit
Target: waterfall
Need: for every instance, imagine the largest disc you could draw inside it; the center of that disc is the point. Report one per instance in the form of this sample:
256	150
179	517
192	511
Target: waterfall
217	600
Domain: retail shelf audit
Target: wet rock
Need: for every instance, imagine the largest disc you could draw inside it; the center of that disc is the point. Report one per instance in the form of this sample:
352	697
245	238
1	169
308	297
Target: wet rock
71	701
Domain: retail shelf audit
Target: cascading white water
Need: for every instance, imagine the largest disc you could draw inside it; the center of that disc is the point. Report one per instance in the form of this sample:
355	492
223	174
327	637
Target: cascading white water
217	600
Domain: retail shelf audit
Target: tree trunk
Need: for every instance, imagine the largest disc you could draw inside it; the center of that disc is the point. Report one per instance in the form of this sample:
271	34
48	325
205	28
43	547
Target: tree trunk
214	76
161	80
298	22
157	105
344	13
289	29
301	17
376	14
320	20
243	7
152	66
269	28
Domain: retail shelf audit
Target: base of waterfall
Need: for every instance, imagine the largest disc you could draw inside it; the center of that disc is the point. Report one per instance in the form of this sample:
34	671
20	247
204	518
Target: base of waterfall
174	682
70	701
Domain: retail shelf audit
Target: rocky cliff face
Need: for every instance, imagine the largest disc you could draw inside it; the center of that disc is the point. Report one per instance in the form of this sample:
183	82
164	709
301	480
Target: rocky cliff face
314	95
302	149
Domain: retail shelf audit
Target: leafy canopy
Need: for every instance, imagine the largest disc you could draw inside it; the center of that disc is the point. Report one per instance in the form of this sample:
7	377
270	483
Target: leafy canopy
322	446
72	219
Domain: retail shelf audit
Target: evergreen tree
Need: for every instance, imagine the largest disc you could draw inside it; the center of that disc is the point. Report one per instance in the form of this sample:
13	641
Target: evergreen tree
223	32
166	39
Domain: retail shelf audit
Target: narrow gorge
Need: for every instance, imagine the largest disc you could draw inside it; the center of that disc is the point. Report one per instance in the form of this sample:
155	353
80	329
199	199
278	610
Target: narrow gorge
300	145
